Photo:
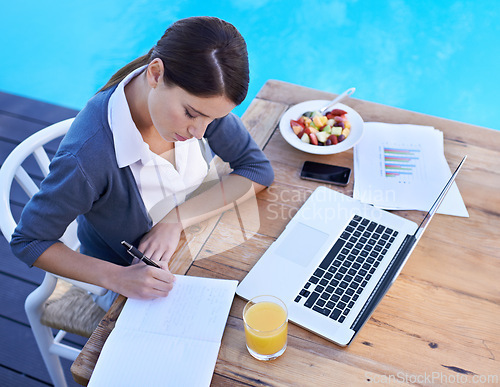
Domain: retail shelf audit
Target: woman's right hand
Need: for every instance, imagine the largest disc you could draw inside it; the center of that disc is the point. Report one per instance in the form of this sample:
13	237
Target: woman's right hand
144	282
135	281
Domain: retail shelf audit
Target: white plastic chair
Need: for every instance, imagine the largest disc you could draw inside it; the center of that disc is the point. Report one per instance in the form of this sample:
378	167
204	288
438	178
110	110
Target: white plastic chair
37	302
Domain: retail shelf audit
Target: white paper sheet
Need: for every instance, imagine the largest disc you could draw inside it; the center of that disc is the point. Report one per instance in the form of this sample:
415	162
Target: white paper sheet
403	167
170	341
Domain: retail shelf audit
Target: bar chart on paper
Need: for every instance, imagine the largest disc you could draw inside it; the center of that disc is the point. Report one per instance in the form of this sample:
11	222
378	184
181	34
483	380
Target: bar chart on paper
402	166
401	163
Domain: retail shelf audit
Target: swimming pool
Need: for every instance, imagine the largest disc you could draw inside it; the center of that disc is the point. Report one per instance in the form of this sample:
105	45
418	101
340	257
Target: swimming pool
434	57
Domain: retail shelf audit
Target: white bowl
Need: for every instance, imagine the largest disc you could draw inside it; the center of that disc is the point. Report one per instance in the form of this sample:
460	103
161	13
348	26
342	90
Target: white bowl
296	111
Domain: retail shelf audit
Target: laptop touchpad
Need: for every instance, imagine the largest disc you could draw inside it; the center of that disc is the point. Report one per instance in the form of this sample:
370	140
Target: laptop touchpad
301	244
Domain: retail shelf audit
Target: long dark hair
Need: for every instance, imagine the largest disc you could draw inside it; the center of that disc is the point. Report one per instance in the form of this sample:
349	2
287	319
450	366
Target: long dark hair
205	56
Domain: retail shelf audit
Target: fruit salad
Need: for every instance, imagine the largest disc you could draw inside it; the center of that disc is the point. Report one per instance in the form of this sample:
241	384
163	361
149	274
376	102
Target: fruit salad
318	129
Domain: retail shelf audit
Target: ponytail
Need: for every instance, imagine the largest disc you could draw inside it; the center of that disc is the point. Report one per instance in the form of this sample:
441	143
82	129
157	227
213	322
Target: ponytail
126	70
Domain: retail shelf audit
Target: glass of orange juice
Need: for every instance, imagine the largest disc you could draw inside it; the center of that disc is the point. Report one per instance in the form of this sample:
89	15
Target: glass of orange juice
266	327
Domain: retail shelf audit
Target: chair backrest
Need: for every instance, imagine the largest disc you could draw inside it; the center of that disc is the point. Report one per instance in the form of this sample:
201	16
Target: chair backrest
12	169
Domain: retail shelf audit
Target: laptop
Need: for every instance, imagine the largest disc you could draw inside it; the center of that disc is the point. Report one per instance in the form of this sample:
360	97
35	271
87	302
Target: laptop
335	260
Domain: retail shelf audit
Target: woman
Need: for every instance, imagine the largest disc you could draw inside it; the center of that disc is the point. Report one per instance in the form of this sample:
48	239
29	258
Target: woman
135	153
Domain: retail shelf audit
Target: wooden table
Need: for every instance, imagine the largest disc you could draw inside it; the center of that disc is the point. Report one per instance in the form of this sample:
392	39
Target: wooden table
440	321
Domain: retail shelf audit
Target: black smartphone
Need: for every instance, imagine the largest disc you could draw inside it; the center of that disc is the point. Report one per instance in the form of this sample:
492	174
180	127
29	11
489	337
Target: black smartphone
325	173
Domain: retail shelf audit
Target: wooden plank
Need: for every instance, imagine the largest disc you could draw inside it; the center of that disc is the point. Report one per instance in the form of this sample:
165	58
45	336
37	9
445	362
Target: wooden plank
223	381
5	149
230	260
10	377
417	300
34	110
482	168
261	118
190	244
14	292
75	340
20	352
15	128
13	267
291	94
20	358
441	264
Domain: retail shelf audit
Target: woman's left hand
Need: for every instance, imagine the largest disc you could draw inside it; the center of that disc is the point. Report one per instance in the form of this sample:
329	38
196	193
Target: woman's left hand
161	241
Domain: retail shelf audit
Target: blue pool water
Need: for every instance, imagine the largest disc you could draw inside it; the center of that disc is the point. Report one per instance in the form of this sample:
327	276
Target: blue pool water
435	57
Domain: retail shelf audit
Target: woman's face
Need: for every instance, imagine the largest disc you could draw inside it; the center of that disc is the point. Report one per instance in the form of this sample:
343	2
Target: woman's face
178	115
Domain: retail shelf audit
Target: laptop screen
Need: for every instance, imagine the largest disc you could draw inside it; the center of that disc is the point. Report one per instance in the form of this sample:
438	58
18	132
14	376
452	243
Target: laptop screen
425	222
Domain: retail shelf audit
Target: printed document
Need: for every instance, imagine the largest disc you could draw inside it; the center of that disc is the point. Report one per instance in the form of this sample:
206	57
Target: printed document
172	341
399	166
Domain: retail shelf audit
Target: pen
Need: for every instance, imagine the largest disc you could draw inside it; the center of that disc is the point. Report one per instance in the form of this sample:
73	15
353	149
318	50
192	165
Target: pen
137	254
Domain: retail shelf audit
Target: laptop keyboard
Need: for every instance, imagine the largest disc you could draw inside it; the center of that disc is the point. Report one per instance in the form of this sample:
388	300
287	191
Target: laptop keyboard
345	271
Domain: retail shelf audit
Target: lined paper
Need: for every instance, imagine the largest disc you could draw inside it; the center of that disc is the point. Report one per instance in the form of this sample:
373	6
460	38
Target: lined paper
170	341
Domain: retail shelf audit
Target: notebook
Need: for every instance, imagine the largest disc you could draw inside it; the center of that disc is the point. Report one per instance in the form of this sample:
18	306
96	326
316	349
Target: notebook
169	341
335	260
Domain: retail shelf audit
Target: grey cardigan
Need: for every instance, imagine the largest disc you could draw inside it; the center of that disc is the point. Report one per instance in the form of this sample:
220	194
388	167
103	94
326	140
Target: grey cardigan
86	183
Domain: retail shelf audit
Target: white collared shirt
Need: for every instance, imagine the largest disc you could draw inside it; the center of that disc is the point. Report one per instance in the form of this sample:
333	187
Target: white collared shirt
162	185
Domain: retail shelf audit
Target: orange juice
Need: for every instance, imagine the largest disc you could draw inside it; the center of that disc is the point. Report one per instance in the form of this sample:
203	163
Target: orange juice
266	328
